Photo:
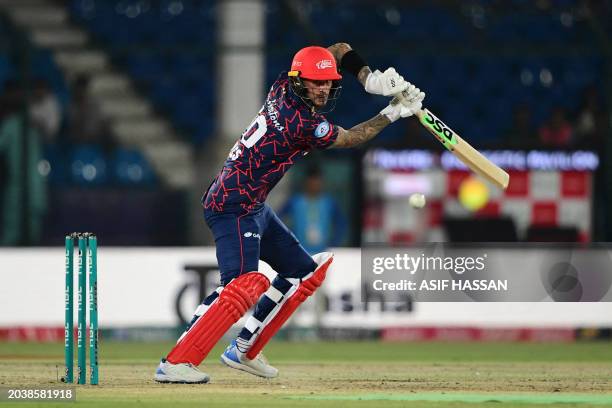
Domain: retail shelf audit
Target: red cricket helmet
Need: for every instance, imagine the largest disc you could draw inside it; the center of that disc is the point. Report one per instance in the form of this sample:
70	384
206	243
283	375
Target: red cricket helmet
315	63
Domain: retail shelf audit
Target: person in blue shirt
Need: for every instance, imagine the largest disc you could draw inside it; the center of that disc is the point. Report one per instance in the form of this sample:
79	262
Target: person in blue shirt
314	215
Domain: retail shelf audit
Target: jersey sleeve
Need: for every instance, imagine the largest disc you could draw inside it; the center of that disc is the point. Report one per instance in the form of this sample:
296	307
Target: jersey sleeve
319	133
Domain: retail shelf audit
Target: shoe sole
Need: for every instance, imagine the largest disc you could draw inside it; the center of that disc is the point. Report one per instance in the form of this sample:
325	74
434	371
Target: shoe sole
161	381
237	366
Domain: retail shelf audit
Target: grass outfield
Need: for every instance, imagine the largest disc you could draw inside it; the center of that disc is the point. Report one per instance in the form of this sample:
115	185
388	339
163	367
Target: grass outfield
339	374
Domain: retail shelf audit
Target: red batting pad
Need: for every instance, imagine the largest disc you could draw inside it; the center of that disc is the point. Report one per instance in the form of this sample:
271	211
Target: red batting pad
306	289
234	301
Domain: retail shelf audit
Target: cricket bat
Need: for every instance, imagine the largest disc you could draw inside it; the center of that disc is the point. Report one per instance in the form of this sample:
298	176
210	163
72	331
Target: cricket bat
471	157
460	148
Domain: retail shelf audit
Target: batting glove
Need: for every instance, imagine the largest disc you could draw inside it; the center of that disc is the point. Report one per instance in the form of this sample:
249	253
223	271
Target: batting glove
385	83
405	104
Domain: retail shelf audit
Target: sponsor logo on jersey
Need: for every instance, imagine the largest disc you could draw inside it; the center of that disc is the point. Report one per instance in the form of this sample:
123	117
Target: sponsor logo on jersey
324	64
322	129
252	234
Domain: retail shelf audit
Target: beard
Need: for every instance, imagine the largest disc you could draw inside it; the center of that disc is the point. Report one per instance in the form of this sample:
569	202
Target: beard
320	99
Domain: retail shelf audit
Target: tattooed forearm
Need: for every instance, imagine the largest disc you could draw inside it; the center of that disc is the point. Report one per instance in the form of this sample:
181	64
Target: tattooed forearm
362	132
365	131
363	75
338	50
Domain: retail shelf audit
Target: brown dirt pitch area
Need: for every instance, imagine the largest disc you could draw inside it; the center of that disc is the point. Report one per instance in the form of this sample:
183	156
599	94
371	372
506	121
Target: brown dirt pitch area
338	374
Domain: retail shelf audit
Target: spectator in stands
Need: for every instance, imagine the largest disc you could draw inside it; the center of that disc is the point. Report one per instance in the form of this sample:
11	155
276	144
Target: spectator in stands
557	130
45	111
314	216
24	201
521	134
591	124
86	122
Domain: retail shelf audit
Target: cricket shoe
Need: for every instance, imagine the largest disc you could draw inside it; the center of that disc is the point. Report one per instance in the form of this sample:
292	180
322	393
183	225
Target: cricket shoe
182	373
232	357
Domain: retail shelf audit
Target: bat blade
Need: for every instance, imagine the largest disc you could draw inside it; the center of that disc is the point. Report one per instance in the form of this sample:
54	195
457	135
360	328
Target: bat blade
471	157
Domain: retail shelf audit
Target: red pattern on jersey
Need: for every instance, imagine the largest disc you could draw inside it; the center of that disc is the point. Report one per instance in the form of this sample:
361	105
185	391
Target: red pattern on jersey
261	157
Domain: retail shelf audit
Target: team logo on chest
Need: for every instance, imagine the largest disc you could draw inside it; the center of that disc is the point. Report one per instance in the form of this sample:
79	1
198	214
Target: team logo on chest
322	129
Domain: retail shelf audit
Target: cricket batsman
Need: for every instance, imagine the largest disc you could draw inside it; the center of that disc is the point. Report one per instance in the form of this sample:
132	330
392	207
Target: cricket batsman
290	123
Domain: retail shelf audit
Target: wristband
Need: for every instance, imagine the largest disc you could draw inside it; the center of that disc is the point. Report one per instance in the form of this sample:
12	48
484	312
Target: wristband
352	62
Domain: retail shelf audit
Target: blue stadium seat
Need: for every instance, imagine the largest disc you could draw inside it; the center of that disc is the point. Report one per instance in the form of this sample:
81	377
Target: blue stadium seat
131	168
145	67
580	72
88	165
189	66
54	169
415	24
6	69
166	93
174	74
413	69
161	43
204	131
44	66
188	112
